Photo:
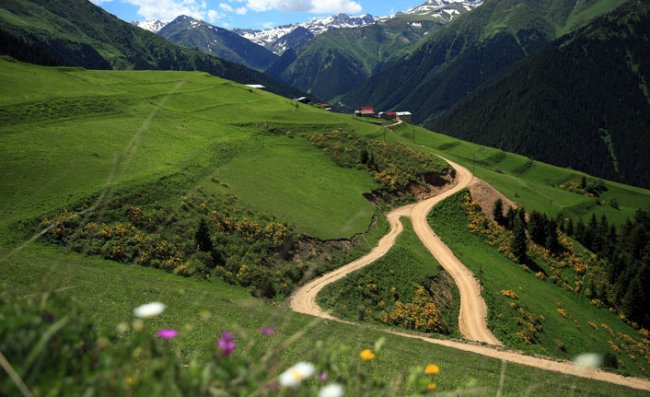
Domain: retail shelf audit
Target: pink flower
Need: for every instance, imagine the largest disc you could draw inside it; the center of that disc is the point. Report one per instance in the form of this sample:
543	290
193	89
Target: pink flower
167	333
267	330
324	376
226	344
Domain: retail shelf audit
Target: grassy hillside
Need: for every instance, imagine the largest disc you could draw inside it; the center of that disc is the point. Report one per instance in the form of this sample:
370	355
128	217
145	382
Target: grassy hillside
202	311
562	106
136	127
561	324
79	138
470	51
78	33
532	184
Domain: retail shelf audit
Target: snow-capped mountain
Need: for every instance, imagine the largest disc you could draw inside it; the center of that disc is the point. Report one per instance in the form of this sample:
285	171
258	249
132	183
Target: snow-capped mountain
269	37
152	25
445	10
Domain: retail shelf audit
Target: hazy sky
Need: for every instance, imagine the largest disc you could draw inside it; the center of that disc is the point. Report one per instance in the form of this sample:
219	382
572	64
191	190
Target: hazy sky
256	14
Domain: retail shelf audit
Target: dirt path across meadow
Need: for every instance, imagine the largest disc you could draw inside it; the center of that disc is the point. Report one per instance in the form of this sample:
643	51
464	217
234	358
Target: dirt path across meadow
472	319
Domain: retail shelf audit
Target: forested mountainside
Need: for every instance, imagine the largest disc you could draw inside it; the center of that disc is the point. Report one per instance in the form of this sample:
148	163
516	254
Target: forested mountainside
78	33
469	51
223	43
341	59
582	103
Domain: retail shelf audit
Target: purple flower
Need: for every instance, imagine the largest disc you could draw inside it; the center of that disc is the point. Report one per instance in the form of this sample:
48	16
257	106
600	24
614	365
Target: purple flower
267	330
226	344
167	333
324	376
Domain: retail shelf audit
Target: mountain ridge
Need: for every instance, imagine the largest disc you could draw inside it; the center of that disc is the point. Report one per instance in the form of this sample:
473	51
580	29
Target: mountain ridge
79	33
223	43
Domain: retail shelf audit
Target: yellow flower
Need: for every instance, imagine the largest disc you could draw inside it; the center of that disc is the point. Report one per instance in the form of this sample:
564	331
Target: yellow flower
431	386
432	369
367	355
129	381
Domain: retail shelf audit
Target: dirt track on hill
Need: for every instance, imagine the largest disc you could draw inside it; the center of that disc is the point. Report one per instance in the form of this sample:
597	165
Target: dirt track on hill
472	318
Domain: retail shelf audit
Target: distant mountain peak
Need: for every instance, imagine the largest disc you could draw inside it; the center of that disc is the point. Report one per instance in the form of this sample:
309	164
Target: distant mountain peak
444	10
152	25
269	37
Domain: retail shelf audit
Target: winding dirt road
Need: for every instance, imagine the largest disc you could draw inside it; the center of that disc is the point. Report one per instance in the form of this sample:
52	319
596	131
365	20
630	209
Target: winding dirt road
472	318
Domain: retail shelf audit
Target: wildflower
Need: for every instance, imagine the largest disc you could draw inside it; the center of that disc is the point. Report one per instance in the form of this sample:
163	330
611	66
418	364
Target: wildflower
431	386
226	344
149	310
296	374
129	380
367	355
588	360
432	369
167	333
267	331
331	390
122	328
324	376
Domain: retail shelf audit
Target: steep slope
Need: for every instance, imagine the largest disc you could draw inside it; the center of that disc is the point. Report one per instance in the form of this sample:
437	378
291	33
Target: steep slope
191	33
471	50
339	60
78	33
583	102
293	39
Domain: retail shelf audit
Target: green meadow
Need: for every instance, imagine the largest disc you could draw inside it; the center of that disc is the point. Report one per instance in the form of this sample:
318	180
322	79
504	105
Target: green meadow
532	184
562	336
70	136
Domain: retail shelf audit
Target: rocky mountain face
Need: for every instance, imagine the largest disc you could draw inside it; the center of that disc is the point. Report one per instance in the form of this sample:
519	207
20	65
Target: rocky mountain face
223	43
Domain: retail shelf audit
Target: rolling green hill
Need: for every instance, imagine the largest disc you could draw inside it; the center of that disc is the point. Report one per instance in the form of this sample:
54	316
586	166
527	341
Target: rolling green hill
470	51
181	145
78	33
583	102
191	33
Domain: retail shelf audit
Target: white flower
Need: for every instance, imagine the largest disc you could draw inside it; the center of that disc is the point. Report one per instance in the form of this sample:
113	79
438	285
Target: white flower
149	310
296	374
331	390
588	360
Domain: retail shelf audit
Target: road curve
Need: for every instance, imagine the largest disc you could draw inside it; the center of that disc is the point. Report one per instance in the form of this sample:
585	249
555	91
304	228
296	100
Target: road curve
472	318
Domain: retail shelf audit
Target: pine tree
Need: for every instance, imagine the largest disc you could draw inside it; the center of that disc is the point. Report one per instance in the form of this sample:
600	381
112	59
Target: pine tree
510	218
537	228
569	227
519	243
497	213
202	237
552	242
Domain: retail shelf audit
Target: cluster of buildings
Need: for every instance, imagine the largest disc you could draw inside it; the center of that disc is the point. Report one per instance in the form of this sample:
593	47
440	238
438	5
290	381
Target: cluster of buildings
363	111
369	111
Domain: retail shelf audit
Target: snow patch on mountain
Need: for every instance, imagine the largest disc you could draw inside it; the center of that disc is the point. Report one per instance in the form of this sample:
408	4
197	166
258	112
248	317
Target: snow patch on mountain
152	25
445	10
316	26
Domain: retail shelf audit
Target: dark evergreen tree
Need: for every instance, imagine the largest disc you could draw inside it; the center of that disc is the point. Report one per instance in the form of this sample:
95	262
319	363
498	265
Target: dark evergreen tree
364	157
569	227
552	242
202	237
510	218
497	213
519	243
537	228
